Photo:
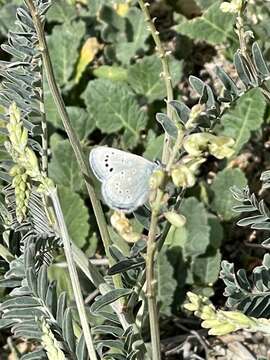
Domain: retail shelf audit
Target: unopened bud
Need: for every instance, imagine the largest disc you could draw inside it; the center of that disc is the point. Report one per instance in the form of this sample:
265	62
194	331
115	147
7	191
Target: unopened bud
238	318
182	176
175	219
222	329
156	179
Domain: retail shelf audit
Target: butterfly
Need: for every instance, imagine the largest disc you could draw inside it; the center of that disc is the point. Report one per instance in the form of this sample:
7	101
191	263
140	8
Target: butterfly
124	177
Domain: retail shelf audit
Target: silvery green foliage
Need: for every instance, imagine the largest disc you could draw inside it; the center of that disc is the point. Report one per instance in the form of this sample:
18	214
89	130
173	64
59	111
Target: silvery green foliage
250	294
22	83
35	299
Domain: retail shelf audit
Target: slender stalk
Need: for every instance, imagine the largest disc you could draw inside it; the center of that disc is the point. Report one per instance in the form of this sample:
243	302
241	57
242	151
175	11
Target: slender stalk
175	150
150	278
73	274
44	137
166	73
75	142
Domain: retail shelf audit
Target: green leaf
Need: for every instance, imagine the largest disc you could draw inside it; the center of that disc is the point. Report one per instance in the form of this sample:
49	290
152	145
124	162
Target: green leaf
114	73
61	12
109	298
63	167
204	4
19	302
127	50
75	214
216	231
194	237
63	45
144	77
114	107
8	15
168	125
223	200
247	116
59	272
206	268
154	147
213	26
166	283
81	122
68	332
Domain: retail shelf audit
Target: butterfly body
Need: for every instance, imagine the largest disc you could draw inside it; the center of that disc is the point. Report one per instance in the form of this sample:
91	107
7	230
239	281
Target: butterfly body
124	177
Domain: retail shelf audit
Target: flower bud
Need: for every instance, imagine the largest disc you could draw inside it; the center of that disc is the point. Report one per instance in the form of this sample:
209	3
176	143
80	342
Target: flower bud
24	138
175	219
238	318
156	179
207	324
195	112
14	170
182	176
222	329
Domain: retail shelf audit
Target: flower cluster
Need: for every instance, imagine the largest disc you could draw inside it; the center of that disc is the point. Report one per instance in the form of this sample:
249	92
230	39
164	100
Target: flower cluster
221	322
218	146
26	166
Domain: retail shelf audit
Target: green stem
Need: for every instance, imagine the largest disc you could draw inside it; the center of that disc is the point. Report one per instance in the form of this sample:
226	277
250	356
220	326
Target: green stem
151	282
75	142
166	73
44	137
73	274
175	150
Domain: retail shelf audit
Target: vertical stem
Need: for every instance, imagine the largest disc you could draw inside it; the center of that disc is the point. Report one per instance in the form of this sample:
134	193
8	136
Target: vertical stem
75	142
151	282
73	274
166	73
44	137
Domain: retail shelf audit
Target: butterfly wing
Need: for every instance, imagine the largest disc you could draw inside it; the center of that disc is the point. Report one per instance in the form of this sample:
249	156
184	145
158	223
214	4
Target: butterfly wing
128	189
106	161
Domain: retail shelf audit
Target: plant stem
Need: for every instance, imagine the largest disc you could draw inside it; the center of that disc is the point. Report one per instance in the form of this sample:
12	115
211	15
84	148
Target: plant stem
175	150
166	73
150	278
73	274
75	142
44	137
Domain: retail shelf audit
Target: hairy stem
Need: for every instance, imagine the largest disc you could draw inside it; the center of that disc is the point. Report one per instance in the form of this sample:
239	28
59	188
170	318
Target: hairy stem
166	73
73	274
75	142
